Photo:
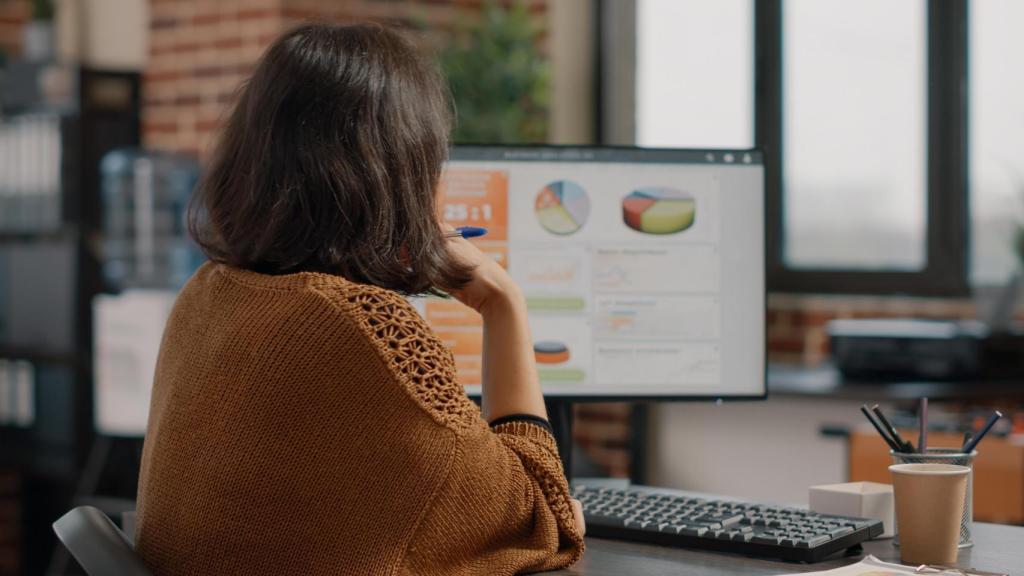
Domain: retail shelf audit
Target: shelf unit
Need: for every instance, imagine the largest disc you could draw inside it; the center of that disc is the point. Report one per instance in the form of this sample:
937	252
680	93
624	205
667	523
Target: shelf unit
53	281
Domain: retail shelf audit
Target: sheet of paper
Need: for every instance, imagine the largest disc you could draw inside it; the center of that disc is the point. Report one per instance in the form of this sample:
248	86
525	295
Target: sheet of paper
869	566
128	328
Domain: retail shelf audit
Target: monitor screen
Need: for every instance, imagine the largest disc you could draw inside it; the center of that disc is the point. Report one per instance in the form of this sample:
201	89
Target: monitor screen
643	269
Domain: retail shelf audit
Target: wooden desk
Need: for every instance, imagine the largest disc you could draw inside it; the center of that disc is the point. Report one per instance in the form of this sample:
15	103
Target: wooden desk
996	547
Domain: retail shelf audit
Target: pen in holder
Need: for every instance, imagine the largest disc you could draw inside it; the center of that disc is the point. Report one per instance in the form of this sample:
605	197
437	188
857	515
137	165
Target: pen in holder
946	456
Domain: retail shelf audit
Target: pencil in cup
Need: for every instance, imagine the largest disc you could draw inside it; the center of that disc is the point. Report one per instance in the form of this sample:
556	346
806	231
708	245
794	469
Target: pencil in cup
946	456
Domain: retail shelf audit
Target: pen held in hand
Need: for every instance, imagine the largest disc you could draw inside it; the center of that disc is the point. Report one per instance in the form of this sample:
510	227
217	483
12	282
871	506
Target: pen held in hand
466	232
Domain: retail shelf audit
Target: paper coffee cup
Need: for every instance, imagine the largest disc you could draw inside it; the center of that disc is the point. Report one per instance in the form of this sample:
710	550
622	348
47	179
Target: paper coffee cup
929	506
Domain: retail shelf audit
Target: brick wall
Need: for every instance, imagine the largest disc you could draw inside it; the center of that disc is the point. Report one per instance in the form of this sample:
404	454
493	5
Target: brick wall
13	16
201	50
199	53
797	323
603	432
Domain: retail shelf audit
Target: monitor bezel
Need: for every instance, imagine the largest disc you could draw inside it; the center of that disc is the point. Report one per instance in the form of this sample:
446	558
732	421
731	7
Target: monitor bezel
598	153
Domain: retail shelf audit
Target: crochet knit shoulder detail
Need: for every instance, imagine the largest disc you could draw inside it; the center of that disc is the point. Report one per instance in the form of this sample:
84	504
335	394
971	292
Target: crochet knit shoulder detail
413	352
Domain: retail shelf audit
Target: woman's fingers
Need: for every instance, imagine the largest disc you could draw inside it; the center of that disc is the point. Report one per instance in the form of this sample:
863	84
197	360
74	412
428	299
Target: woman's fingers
577	512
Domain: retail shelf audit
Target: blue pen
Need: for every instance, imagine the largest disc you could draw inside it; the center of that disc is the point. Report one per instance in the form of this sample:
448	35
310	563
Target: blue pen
466	232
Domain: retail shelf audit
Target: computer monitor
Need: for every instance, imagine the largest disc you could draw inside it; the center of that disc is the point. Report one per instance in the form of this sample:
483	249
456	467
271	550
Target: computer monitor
643	269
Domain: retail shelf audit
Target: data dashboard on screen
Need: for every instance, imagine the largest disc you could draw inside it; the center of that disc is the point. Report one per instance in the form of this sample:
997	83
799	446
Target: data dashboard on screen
643	269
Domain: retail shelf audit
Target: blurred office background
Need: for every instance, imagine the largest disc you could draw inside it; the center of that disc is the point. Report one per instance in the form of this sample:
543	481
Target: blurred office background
895	186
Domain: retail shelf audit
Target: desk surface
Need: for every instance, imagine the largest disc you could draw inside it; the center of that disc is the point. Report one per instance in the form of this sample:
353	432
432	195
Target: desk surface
827	382
996	548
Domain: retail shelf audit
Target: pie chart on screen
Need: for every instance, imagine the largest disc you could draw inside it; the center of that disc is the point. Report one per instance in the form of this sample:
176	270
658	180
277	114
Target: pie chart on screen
562	207
658	210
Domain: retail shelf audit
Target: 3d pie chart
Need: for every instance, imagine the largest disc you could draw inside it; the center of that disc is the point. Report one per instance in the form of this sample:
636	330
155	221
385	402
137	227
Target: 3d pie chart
550	352
658	210
562	207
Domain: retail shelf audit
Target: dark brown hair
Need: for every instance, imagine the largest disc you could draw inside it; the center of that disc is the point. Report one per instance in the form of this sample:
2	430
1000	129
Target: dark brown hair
330	162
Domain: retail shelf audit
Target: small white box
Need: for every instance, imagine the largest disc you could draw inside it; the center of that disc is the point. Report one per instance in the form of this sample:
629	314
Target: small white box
860	499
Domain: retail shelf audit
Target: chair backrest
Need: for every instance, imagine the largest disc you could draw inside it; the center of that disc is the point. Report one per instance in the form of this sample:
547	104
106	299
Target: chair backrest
97	544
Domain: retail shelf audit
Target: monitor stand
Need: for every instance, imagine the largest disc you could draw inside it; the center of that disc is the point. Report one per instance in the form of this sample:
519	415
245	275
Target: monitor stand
560	415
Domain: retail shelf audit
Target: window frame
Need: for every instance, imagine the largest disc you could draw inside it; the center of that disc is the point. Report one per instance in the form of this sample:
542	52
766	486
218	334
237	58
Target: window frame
946	272
946	269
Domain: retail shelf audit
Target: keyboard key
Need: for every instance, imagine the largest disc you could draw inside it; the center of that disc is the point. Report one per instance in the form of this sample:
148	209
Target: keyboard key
698	531
812	542
842	531
605	520
729	521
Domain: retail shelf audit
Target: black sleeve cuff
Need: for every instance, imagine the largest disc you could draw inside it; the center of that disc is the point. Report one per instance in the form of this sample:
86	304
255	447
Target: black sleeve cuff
531	418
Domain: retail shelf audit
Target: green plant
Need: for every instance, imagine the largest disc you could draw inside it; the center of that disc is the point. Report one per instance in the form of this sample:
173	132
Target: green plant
42	10
499	77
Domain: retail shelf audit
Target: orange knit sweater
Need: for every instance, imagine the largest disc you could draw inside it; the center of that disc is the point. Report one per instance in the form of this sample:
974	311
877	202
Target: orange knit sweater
304	424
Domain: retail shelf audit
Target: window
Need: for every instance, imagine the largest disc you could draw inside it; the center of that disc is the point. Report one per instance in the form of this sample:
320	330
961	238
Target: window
695	73
996	56
860	111
854	134
861	103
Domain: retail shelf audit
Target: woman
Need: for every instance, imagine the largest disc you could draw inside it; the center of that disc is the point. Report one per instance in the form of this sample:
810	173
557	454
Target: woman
305	420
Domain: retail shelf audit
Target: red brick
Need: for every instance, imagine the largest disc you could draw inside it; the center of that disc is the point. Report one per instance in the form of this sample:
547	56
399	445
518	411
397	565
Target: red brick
787	345
159	127
154	102
187	100
206	19
267	39
234	42
209	71
192	151
208	125
166	76
256	14
178	48
604	417
162	23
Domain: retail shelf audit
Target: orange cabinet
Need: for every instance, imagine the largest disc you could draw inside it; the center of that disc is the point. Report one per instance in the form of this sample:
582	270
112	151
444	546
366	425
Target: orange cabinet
998	470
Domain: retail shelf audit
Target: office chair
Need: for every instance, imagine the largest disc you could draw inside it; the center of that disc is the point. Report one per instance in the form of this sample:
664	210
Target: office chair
98	545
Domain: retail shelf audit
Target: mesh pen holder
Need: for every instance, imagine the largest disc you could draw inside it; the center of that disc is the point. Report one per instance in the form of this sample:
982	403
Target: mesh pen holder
946	456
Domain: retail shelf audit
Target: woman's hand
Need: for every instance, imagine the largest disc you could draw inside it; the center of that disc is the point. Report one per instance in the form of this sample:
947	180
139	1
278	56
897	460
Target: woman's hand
491	285
577	513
